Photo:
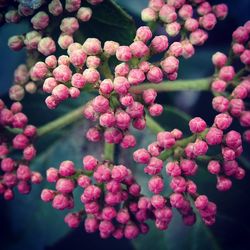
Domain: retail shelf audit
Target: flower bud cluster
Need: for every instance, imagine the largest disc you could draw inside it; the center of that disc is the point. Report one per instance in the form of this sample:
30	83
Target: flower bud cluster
187	153
231	83
14	169
113	204
190	19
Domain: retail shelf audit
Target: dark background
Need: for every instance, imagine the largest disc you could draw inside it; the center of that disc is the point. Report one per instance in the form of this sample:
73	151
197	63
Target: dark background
24	225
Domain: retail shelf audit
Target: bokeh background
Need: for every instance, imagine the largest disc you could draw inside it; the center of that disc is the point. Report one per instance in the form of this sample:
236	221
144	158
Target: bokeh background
27	223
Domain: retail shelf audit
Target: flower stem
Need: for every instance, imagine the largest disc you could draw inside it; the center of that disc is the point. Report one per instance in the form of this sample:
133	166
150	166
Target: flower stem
180	85
61	122
153	125
109	150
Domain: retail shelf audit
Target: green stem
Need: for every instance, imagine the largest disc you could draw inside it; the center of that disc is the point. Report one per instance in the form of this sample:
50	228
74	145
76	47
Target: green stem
109	150
61	122
180	85
153	125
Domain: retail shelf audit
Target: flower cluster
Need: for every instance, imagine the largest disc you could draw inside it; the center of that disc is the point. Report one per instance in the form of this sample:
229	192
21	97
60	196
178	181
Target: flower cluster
187	153
231	82
37	41
111	197
189	19
16	171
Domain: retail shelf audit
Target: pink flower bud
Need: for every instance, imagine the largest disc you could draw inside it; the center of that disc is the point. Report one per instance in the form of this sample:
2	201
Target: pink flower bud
173	169
121	85
219	86
93	135
73	220
139	123
221	11
173	29
32	39
240	35
155	109
186	11
72	5
69	25
16	42
89	162
107	120
100	104
156	5
84	14
40	21
20	141
244	57
156	184
65	186
29	153
106	86
155	74
245	119
167	14
208	21
40	70
91	224
175	49
148	15
83	181
92	46
46	46
131	231
136	76
165	140
201	202
65	40
78	80
143	34
198	37
159	44
188	167
141	156
214	167
237	106
149	96
154	166
47	195
191	24
91	75
178	184
55	7
139	49
60	202
113	135
78	57
61	92
170	64
136	110
93	62
223	184
223	121
67	168
214	136
220	103
177	200
110	47
63	60
197	125
219	59
227	73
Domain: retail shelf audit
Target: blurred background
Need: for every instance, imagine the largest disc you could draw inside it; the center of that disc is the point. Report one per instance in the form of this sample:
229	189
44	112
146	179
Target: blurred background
27	223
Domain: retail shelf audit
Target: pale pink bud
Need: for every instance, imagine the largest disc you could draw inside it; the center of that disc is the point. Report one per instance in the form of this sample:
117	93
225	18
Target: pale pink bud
170	64
159	44
84	14
149	15
155	74
186	11
167	14
136	76
191	24
46	46
110	47
40	21
92	46
219	59
198	37
106	86
65	40
173	29
143	34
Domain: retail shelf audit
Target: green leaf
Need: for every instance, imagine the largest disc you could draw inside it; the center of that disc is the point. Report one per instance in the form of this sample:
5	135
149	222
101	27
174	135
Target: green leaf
109	22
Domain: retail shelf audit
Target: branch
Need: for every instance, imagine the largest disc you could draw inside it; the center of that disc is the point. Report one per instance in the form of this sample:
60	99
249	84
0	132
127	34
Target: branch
109	150
61	122
202	84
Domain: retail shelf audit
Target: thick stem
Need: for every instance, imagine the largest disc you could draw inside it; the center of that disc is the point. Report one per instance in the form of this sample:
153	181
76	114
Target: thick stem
109	150
180	85
61	122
